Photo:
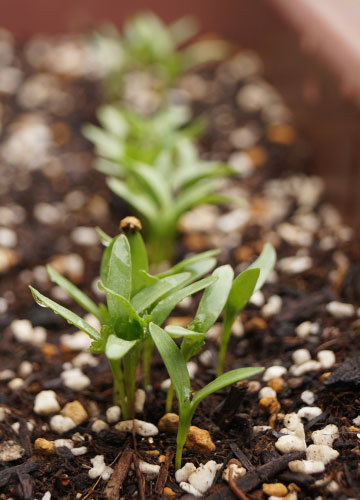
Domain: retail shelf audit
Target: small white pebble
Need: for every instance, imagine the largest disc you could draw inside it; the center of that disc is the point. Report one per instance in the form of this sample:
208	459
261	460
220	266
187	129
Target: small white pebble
75	379
203	477
274	371
291	421
82	450
98	466
326	359
24	332
3	413
257	299
307	397
304	329
190	489
61	424
78	341
326	436
321	453
272	307
142	428
184	473
308	366
286	444
206	358
86	236
25	369
236	472
300	356
46	403
6	375
267	391
165	384
140	397
295	264
8	237
16	383
309	412
46	496
99	425
333	486
238	330
306	466
64	443
356	420
16	426
258	429
192	369
149	469
84	359
113	414
340	309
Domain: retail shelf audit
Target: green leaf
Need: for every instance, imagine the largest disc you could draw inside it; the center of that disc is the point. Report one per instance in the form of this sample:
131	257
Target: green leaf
116	348
162	310
104	266
213	300
265	262
106	144
153	183
148	296
122	304
70	317
112	120
241	290
139	201
139	261
174	363
199	269
186	263
83	300
177	332
193	195
104	238
224	380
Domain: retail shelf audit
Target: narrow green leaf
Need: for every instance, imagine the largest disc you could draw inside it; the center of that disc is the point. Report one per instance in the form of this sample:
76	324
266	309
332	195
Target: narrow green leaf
224	380
139	201
83	300
106	144
139	261
162	310
191	196
199	269
174	363
188	262
177	332
112	120
241	291
104	266
122	303
104	238
70	317
153	183
213	300
116	348
265	262
148	296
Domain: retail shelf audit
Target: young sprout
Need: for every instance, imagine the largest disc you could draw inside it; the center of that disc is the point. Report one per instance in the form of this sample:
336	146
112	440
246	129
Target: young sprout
149	45
134	298
188	400
160	192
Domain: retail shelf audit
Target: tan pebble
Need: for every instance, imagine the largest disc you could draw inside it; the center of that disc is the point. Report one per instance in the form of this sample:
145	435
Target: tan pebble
243	253
8	258
161	459
195	242
169	423
293	487
44	446
155	453
277	384
281	133
258	155
275	489
199	440
324	376
352	428
49	350
179	320
269	404
256	323
75	411
168	492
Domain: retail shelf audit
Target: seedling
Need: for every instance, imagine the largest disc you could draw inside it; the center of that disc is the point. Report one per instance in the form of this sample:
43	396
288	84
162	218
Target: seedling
188	400
147	44
225	293
160	192
134	298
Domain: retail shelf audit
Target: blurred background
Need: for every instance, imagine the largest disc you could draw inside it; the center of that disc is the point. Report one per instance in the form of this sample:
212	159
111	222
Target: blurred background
310	50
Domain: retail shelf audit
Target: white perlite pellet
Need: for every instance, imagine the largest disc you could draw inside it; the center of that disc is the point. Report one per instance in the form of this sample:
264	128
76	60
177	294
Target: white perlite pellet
149	469
75	379
286	444
99	425
142	428
113	414
16	383
356	420
306	466
340	309
82	450
78	341
307	397
84	359
24	332
309	412
326	359
308	366
25	369
291	421
267	392
295	265
8	237
235	470
326	436
272	307
139	402
257	299
321	453
64	443
203	477
61	424
86	236
46	403
184	473
99	468
46	496
192	369
300	356
274	371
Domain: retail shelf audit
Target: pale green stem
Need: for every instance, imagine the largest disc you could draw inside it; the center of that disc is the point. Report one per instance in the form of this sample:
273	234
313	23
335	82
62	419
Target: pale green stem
130	362
146	360
184	424
225	336
119	389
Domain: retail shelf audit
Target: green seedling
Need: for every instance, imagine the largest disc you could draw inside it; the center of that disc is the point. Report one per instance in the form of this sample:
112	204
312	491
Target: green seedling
160	192
188	400
134	298
148	44
228	294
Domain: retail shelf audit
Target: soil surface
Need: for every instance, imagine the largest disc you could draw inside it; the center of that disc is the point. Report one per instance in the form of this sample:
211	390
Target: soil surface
49	189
